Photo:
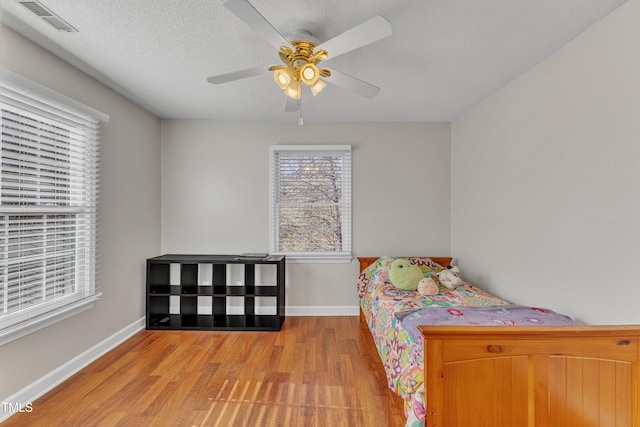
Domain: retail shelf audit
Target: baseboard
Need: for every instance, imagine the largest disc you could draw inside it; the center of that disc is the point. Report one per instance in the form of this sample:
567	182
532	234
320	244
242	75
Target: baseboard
318	310
60	374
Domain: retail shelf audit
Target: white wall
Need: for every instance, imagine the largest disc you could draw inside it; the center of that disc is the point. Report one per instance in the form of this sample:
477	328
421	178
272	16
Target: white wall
128	218
546	179
215	195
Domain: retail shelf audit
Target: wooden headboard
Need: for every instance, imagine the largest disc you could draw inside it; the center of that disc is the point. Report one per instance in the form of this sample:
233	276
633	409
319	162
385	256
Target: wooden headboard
367	261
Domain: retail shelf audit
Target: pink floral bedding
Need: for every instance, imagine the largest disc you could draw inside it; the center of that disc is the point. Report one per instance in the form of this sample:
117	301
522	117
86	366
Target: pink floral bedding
401	354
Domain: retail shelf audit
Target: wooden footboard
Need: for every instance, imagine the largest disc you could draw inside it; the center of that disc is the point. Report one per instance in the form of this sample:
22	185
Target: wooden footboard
582	376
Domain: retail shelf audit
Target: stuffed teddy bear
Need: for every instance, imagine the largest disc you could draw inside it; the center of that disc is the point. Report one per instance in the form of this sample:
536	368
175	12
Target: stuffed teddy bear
404	274
449	277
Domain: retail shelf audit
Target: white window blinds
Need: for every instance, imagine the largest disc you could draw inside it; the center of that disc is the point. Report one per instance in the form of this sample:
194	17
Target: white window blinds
48	201
311	201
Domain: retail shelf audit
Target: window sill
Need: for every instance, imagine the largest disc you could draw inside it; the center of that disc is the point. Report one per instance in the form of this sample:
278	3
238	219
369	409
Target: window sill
296	258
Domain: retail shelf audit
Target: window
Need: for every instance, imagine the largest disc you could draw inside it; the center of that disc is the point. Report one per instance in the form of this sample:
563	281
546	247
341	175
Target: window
311	202
48	198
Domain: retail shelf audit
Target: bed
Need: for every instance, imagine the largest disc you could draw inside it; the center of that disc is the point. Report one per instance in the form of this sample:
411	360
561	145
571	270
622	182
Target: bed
453	367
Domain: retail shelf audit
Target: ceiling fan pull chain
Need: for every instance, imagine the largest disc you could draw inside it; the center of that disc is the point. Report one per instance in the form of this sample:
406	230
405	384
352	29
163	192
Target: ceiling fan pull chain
300	120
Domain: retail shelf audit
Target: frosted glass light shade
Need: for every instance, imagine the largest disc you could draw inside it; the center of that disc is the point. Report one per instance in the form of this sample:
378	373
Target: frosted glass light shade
294	90
317	87
283	77
309	74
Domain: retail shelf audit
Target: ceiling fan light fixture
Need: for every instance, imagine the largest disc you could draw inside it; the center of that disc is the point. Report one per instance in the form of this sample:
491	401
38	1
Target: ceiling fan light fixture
317	87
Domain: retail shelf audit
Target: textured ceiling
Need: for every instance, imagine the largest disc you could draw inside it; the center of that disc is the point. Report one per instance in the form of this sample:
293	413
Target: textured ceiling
442	58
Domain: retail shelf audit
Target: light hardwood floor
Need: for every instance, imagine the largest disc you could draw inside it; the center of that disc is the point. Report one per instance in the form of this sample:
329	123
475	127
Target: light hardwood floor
317	371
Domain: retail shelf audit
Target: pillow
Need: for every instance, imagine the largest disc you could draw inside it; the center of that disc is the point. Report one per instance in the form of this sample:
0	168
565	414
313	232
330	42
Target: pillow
404	274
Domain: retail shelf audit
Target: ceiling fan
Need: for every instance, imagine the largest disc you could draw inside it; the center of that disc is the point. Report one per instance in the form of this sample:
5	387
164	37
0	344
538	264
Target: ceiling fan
301	53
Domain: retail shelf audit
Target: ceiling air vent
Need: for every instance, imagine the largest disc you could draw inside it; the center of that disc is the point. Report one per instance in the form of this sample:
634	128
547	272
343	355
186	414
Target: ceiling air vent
51	18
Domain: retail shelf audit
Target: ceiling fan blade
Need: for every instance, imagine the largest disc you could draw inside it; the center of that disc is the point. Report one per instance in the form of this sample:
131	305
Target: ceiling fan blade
250	16
353	84
368	32
292	105
237	75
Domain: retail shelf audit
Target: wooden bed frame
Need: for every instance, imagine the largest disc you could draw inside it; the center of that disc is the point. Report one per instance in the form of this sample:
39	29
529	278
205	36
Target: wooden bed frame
577	376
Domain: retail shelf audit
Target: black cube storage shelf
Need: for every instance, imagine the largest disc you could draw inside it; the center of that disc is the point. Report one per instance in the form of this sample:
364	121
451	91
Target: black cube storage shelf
204	292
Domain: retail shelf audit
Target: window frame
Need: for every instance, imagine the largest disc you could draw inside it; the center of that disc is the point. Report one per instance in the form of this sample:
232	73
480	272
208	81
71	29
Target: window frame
68	205
344	151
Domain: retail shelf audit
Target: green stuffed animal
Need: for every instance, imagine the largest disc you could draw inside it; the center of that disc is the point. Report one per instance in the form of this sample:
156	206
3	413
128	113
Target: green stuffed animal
404	274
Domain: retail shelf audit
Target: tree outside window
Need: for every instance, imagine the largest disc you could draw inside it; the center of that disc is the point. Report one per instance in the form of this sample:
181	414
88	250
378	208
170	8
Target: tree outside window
311	201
